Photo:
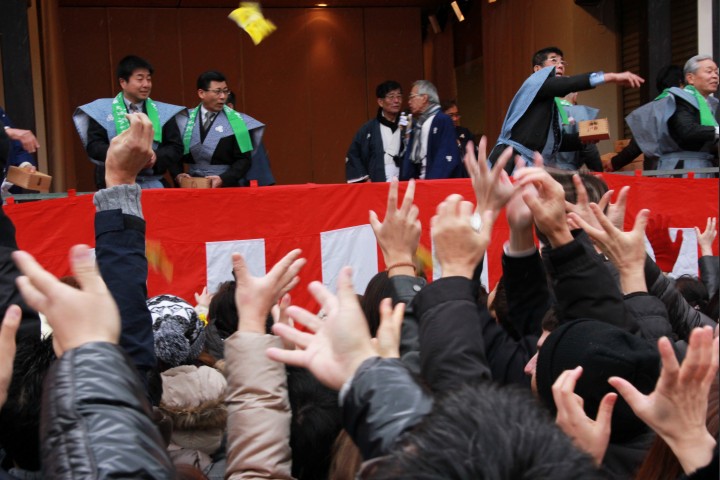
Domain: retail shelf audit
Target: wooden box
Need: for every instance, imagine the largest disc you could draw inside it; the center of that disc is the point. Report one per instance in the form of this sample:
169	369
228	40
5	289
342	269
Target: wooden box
194	182
594	130
32	181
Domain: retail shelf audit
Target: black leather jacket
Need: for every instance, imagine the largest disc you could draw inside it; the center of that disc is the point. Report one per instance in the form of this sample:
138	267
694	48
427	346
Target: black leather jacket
95	419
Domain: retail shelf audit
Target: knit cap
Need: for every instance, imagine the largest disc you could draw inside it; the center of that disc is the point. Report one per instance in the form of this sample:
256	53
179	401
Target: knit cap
179	333
604	351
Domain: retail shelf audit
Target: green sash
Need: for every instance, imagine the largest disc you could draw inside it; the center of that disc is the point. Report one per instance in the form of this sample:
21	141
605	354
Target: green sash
706	116
242	135
119	110
561	103
663	94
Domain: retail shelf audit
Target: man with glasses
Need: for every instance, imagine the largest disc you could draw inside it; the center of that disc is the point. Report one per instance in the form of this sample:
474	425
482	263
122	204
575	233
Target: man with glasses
463	134
218	141
432	150
533	121
375	152
100	121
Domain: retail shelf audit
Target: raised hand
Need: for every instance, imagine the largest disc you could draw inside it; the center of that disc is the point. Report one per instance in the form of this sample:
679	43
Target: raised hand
581	207
8	329
546	199
625	249
399	233
130	151
203	298
76	316
387	341
591	436
459	247
706	238
255	296
627	79
493	188
519	217
280	315
340	343
615	211
677	408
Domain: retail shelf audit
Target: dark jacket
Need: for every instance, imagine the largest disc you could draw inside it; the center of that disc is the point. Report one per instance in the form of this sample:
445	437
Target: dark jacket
443	155
168	152
452	349
583	287
710	273
688	133
365	159
228	152
683	318
95	420
120	252
9	293
382	403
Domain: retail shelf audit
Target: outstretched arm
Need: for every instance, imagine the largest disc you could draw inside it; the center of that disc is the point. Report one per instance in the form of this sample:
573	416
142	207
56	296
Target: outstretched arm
257	398
677	408
93	384
120	239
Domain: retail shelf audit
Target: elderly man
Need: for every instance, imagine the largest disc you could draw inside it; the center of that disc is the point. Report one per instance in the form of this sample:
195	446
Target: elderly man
694	124
218	141
532	123
100	121
375	152
432	151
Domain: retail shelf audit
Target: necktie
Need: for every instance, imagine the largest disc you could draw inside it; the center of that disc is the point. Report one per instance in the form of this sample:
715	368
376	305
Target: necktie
209	116
133	108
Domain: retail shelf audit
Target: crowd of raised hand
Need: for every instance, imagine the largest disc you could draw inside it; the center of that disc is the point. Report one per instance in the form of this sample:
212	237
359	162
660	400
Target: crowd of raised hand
588	364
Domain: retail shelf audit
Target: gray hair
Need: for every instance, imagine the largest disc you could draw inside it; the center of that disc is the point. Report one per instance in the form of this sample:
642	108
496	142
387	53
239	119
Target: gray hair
693	64
424	87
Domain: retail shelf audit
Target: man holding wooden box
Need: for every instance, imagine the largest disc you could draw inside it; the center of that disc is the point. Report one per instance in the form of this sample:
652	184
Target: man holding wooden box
218	141
532	123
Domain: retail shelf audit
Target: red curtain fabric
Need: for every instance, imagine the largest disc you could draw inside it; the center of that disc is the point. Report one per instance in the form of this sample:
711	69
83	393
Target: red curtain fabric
184	222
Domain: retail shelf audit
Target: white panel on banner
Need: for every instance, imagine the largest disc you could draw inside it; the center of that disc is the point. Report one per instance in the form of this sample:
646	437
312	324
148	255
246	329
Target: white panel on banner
219	262
353	246
687	261
484	279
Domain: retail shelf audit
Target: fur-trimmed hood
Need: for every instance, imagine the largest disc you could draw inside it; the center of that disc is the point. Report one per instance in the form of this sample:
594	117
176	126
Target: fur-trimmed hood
194	398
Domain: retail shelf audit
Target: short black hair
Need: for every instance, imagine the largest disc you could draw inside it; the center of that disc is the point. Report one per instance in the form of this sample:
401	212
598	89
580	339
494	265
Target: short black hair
20	416
669	76
378	288
129	64
316	423
222	311
387	87
541	55
485	431
446	104
203	81
693	291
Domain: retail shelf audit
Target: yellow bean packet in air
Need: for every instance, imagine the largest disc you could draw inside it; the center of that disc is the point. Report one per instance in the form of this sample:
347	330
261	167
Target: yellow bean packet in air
158	259
250	18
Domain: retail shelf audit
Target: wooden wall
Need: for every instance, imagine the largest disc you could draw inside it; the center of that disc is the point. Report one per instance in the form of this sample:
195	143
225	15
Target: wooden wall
312	81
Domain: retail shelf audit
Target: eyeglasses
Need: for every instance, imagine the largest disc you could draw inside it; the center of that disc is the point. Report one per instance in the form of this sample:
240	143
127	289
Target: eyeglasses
557	61
393	97
219	91
413	95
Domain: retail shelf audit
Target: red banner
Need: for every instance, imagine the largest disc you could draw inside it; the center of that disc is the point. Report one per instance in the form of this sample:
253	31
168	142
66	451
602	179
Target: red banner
195	229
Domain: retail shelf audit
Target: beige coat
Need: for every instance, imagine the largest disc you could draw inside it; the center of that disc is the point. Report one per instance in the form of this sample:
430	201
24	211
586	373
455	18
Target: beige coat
258	425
